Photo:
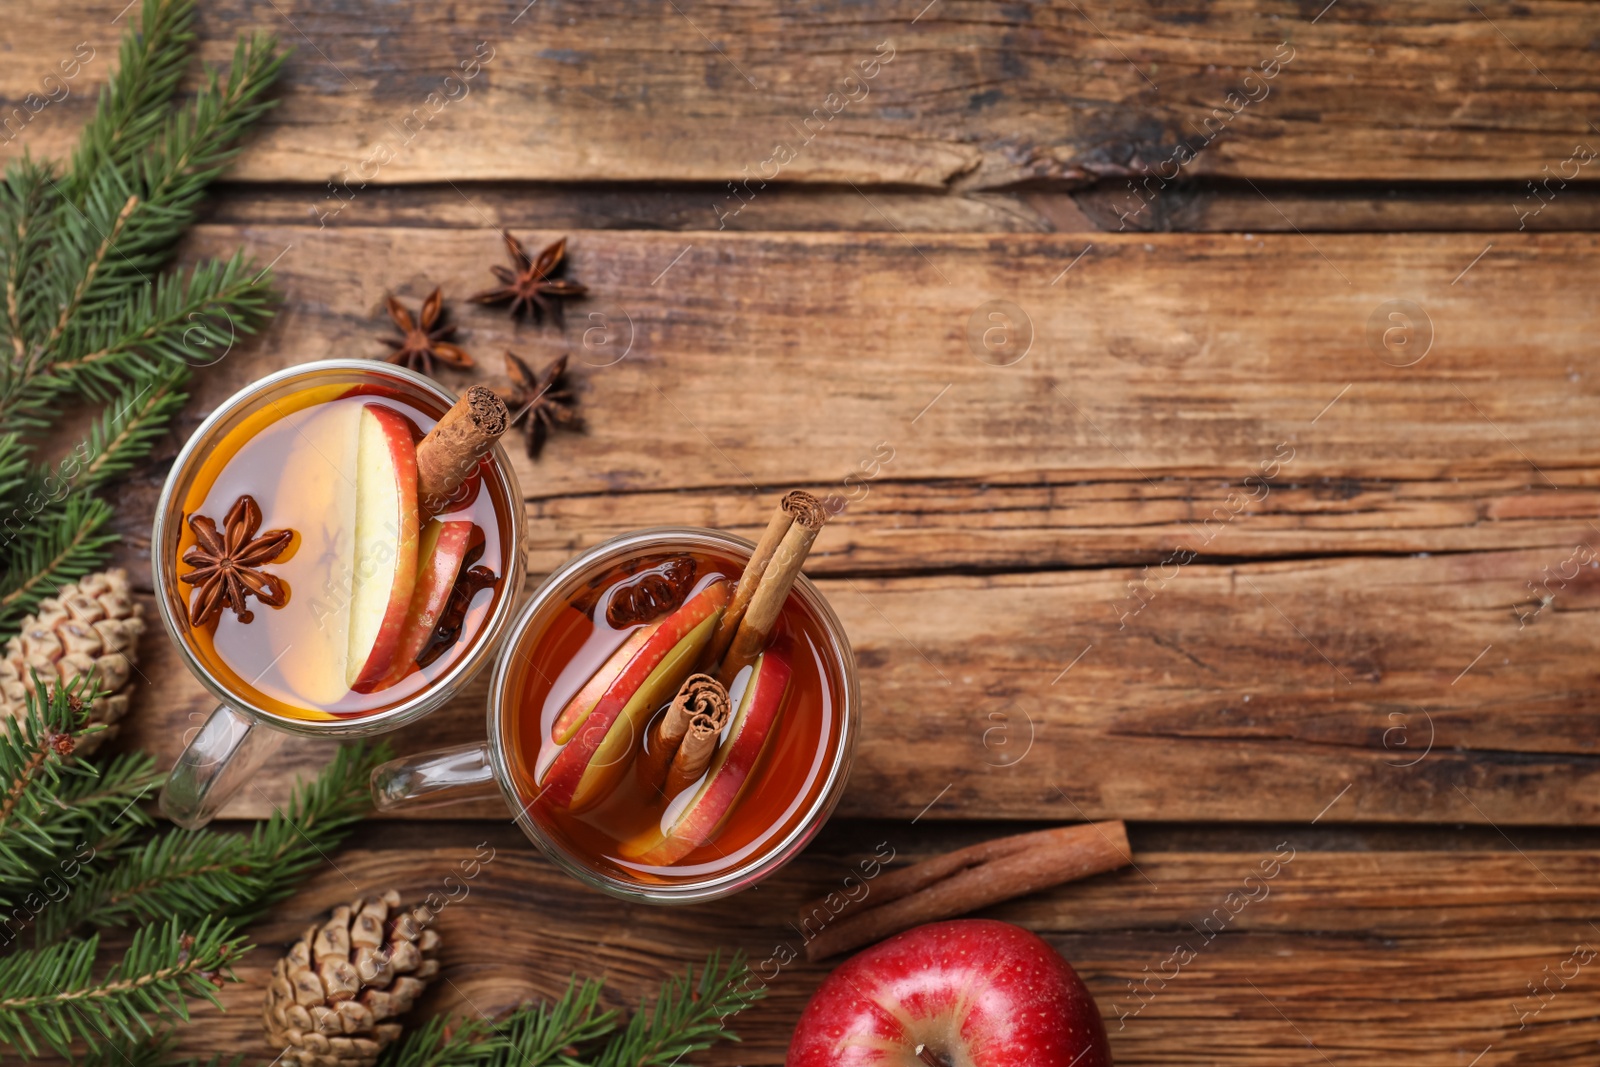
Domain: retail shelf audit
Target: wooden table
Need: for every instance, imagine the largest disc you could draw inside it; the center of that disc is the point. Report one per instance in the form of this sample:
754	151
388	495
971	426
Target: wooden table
1264	522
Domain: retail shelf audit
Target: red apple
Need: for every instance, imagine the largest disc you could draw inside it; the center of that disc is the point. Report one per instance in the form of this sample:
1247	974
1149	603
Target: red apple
441	548
969	993
385	543
693	820
602	737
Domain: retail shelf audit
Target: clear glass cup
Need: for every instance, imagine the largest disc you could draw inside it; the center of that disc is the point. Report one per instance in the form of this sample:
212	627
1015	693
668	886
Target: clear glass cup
479	771
240	734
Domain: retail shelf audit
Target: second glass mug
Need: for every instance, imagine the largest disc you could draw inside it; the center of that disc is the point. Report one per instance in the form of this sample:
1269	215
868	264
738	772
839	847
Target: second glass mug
245	729
491	768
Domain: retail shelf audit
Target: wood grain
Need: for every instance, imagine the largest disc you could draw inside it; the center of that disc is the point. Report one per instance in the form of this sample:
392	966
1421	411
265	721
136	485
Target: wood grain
979	94
1341	954
1152	356
1377	689
1419	515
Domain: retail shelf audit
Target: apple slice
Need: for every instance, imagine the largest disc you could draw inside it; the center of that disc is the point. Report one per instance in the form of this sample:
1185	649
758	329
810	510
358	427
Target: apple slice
385	543
688	825
442	546
579	707
602	731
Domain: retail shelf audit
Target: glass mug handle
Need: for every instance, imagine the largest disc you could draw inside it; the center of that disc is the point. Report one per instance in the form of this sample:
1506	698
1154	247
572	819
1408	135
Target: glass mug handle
222	756
435	779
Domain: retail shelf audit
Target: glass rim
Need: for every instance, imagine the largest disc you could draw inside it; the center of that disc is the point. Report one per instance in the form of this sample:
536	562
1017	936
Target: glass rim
768	860
447	684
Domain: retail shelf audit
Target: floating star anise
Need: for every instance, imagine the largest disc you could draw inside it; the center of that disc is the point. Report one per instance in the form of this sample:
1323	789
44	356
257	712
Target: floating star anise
532	286
543	399
424	340
227	563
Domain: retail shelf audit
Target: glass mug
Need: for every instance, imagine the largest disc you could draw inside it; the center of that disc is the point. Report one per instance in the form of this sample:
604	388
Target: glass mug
254	715
552	653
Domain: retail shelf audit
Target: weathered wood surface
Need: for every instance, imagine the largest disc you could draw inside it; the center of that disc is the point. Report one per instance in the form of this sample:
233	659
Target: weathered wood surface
1407	519
1366	955
1200	206
761	360
977	95
1241	692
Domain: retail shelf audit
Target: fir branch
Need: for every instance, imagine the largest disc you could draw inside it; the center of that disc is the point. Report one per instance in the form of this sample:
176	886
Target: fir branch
46	553
532	1035
129	221
133	106
50	997
13	467
176	321
33	753
127	428
83	818
26	197
444	1042
188	874
540	1034
687	1017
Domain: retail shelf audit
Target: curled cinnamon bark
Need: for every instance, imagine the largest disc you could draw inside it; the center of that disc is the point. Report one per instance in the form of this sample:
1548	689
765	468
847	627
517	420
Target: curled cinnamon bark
963	881
449	455
769	589
685	738
700	743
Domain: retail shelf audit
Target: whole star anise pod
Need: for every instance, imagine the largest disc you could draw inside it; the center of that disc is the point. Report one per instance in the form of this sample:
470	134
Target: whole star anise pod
227	563
532	286
542	399
424	340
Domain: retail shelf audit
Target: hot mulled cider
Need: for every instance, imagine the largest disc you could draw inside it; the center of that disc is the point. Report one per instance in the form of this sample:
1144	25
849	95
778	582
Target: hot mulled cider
341	548
678	715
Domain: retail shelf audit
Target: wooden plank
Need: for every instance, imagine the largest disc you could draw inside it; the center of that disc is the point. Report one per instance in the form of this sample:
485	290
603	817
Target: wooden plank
1058	521
1429	953
978	94
767	360
1204	206
1372	689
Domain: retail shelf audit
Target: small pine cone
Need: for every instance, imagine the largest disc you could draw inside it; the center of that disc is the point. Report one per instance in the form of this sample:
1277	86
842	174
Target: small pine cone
333	999
94	624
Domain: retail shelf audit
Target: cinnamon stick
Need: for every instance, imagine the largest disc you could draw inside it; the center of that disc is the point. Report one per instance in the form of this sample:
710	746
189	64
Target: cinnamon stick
794	502
450	454
700	743
964	881
771	587
685	738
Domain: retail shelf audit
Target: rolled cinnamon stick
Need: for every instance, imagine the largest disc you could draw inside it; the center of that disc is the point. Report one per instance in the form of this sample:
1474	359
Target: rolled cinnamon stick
693	720
449	455
794	502
700	743
773	585
964	881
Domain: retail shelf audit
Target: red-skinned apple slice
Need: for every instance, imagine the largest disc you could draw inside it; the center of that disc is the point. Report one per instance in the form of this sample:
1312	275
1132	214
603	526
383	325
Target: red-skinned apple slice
687	826
578	708
441	547
601	731
385	543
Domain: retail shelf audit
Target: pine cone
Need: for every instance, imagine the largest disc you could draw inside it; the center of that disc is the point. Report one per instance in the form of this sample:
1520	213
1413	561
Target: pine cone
334	996
92	624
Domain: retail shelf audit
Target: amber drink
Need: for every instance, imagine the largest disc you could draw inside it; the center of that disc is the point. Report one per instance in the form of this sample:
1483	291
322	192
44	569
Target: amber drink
625	643
335	553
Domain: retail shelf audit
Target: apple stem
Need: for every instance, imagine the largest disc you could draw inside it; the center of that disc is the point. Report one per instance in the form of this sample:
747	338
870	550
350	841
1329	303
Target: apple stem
928	1056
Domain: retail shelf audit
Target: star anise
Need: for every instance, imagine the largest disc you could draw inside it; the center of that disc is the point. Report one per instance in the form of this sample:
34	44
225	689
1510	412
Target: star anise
532	285
542	399
424	340
227	563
